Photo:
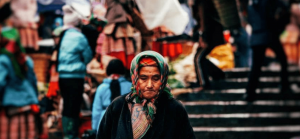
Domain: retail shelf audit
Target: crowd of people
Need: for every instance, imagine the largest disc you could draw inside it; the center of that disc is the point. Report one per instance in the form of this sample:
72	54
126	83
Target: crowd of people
134	99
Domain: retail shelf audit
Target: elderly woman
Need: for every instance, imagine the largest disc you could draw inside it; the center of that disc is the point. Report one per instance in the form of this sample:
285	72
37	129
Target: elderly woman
149	110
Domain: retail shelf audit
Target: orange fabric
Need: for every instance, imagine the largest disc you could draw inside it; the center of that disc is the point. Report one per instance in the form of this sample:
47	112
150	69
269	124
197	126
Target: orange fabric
172	50
165	49
178	48
156	46
53	88
119	55
147	61
35	108
226	35
129	59
122	57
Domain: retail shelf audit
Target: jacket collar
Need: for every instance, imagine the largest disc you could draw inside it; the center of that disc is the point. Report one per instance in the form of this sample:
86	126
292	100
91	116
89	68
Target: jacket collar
124	124
108	80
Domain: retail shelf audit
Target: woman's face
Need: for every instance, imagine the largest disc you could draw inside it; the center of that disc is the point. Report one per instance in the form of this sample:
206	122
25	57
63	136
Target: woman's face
149	81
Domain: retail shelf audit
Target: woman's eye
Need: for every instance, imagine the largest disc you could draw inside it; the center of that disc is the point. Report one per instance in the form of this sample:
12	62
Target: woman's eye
143	78
156	78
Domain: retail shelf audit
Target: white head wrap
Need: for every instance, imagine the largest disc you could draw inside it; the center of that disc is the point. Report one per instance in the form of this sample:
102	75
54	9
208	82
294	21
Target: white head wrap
75	12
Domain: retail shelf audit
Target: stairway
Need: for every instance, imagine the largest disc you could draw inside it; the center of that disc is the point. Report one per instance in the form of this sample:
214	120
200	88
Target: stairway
223	114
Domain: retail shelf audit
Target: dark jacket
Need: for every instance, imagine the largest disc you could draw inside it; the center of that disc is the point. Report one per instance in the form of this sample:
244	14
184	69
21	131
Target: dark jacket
171	121
268	19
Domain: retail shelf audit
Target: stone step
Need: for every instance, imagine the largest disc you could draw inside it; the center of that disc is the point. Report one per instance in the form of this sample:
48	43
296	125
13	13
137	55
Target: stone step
265	82
221	113
244	103
212	109
243	122
225	95
267	72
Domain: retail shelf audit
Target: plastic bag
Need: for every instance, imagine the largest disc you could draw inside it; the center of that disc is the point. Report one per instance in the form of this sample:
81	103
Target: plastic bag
222	56
166	13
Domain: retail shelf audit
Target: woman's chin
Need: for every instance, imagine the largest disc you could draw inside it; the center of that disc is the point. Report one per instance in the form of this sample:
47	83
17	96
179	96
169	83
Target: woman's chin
149	94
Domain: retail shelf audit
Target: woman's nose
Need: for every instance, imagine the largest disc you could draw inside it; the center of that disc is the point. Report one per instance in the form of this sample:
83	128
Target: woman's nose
149	84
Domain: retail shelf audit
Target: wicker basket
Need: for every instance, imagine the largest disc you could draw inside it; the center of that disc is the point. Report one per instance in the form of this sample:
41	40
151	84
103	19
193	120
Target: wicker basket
187	47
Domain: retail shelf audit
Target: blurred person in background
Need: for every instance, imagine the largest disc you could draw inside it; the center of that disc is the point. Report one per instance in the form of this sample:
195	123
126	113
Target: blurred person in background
268	19
149	110
210	36
19	112
74	53
58	23
53	81
243	51
112	87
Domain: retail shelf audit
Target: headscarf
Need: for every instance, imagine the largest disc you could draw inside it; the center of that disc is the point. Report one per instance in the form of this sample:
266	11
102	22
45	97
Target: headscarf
146	58
162	66
11	46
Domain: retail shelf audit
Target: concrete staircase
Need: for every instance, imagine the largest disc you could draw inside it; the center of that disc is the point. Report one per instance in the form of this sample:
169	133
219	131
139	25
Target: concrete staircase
223	114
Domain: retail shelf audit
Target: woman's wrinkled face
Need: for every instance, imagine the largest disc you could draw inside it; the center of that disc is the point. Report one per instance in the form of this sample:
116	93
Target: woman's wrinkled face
149	81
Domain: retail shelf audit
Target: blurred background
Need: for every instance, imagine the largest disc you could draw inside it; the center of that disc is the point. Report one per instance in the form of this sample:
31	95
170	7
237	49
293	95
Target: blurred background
234	64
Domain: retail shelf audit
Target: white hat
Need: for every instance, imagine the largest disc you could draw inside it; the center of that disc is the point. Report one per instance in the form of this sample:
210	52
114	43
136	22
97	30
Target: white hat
84	10
71	17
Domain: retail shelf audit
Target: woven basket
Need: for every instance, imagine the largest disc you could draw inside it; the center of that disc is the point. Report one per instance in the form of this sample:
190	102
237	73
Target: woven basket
187	48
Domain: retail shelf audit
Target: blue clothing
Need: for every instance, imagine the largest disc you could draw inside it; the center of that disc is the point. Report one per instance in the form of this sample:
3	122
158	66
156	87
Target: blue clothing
242	56
15	91
102	99
58	22
74	54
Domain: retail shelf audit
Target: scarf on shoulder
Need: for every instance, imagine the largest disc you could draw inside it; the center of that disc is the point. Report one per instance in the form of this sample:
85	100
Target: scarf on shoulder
11	46
143	110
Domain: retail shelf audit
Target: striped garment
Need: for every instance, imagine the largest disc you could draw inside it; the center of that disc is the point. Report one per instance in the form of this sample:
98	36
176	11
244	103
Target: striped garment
139	121
121	48
29	37
18	126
